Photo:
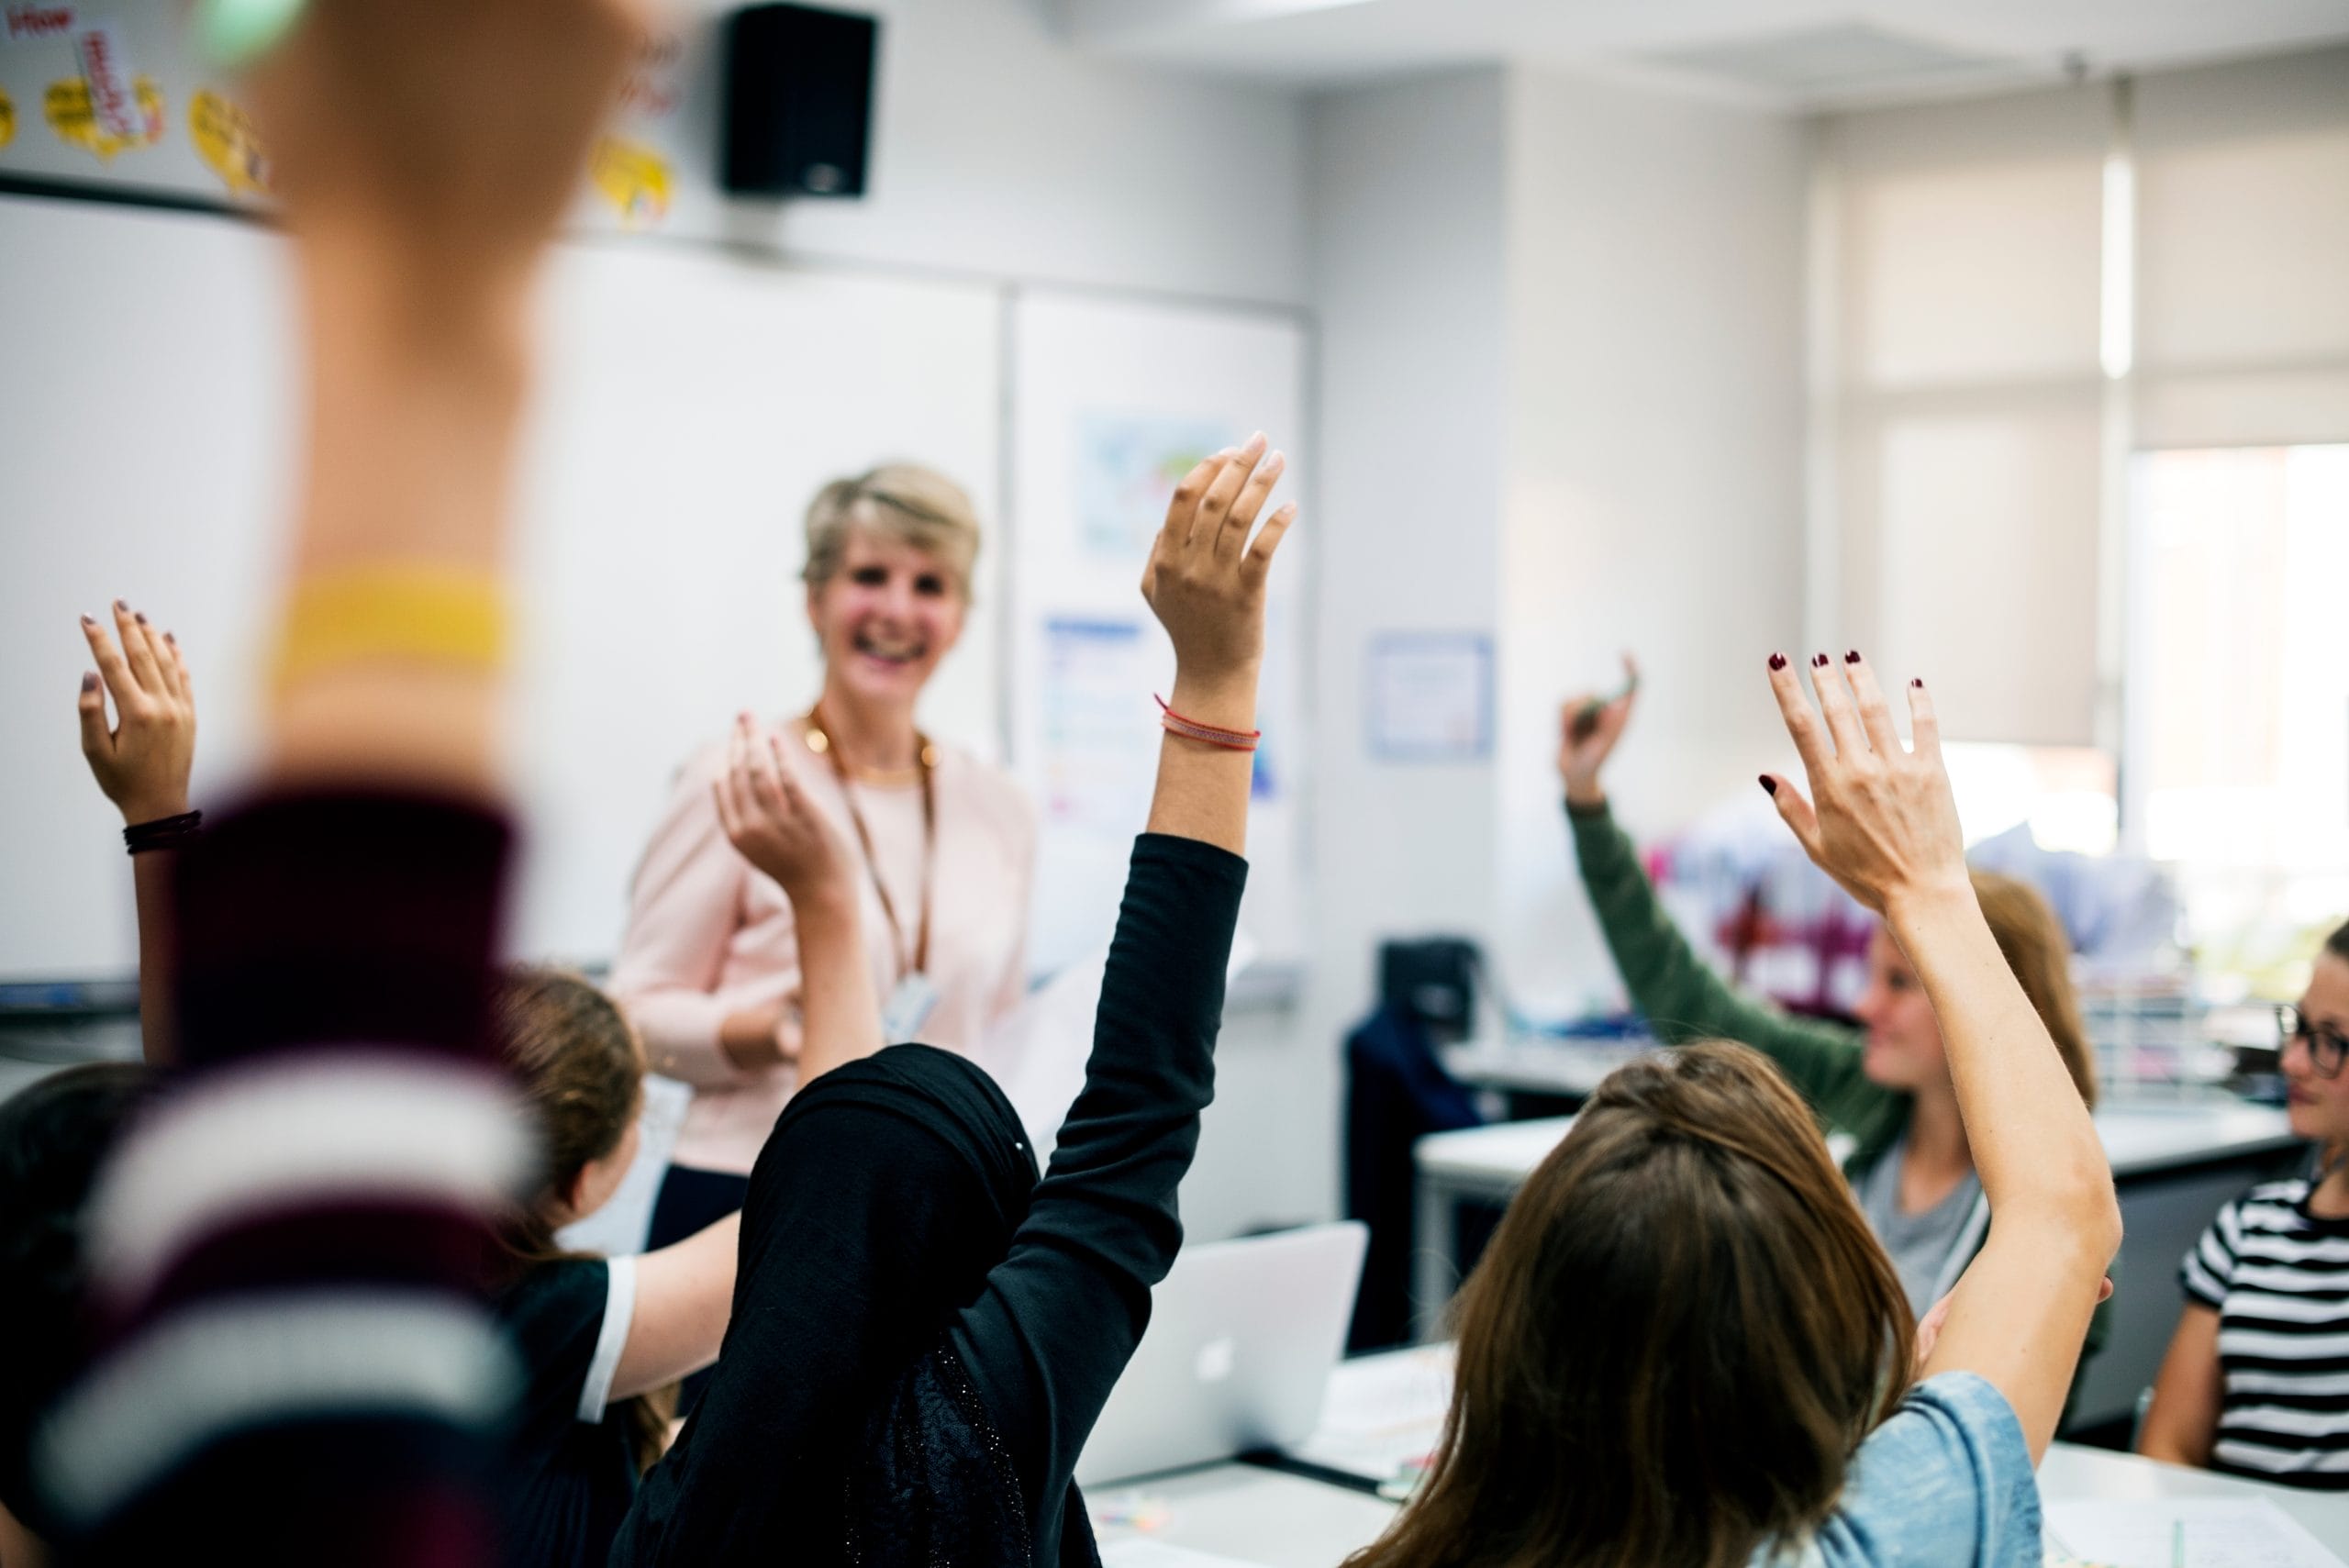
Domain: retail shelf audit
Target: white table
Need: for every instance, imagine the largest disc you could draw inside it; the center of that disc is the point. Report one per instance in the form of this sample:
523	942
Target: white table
1248	1514
1275	1520
2174	1162
1568	1069
1278	1520
2069	1472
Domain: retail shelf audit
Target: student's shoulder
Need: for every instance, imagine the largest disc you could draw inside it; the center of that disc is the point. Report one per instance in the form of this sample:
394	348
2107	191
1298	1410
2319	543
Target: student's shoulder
557	1291
1948	1468
2279	1206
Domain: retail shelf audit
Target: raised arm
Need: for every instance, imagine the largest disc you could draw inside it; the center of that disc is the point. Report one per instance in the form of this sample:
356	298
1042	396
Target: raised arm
1678	993
336	936
1882	823
775	827
683	904
1061	1316
142	764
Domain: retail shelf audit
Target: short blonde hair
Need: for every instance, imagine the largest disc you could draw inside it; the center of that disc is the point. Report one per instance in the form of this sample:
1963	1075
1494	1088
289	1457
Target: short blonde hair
900	501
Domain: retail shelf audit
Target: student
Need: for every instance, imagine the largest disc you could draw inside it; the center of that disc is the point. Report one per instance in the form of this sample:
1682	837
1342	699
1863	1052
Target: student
924	1333
2252	1382
54	1135
1888	1087
288	1246
598	1337
1684	1348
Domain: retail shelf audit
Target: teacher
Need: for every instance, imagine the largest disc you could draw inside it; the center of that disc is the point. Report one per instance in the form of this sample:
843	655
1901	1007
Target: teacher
944	845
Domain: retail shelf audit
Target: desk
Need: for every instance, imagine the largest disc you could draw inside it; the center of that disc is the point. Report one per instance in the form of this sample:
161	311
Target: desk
1248	1514
2173	1163
1550	1069
1266	1519
1278	1520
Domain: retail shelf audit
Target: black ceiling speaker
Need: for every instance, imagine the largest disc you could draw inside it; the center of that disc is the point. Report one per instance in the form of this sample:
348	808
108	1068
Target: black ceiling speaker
798	101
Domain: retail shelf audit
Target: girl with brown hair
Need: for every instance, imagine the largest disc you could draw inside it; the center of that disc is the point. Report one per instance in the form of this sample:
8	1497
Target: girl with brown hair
599	1338
1885	1086
2253	1378
1684	1348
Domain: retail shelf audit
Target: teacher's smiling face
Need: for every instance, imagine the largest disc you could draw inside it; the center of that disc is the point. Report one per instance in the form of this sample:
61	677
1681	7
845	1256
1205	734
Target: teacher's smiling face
886	617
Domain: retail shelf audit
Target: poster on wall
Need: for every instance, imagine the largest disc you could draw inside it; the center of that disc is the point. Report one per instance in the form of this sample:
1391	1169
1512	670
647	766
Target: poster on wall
124	97
1430	696
1113	404
1127	467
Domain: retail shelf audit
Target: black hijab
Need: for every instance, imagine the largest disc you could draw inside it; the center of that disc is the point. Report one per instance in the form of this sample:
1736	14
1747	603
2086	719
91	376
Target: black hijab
838	1426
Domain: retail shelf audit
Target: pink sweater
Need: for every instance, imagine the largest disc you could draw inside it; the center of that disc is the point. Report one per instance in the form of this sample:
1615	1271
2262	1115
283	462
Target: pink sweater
707	935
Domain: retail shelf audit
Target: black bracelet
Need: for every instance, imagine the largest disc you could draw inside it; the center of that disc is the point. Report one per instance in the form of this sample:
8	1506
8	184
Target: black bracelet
164	833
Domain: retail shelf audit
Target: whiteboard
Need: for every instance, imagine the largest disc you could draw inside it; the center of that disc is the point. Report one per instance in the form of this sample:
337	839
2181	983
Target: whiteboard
690	404
1112	400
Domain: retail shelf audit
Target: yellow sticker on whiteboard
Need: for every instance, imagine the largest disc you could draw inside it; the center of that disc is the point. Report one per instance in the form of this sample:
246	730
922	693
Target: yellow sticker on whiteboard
225	138
634	179
7	118
74	117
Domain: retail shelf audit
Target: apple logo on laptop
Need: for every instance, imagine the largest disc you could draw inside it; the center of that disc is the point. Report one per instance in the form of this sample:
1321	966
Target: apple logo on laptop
1216	1360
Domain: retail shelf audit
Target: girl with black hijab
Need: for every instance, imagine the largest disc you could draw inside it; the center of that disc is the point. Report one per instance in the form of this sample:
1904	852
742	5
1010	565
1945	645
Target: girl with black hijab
923	1332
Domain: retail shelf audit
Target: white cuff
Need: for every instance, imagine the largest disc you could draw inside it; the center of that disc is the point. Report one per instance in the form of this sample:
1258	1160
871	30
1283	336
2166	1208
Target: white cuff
620	1311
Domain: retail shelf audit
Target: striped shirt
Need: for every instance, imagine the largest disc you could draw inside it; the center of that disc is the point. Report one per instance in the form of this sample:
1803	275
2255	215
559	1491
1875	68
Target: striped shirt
2278	1277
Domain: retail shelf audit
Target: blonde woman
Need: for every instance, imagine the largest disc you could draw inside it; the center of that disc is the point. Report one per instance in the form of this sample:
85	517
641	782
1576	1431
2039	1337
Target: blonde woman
942	846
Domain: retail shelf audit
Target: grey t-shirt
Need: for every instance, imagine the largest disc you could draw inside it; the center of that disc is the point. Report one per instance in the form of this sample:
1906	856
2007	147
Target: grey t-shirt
1920	1244
1946	1483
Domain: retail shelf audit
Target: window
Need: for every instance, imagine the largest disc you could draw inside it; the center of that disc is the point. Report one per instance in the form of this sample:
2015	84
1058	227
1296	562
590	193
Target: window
2238	756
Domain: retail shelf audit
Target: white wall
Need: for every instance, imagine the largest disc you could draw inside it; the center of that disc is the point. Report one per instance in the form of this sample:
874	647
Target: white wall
1561	405
998	149
1405	268
1654	488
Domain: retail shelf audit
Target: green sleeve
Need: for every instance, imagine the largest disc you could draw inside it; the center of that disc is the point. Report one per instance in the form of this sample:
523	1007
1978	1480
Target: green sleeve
1683	999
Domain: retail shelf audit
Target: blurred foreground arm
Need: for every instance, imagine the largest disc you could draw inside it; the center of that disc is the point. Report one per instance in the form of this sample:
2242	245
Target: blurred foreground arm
289	1251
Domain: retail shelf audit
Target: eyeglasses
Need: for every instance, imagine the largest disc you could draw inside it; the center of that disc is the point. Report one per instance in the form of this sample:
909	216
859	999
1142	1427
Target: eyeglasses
2327	1050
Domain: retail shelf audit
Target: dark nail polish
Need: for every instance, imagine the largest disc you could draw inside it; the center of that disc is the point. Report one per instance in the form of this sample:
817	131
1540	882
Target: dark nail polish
89	620
1769	783
1819	661
141	617
1777	661
120	607
172	638
89	680
1853	657
1918	685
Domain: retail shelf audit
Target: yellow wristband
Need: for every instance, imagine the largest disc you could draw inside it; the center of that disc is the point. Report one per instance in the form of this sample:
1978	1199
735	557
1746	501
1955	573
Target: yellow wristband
391	611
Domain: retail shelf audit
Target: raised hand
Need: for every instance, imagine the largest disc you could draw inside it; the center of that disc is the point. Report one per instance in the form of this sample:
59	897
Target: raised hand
1881	819
1205	577
772	824
142	763
1206	584
457	128
1588	728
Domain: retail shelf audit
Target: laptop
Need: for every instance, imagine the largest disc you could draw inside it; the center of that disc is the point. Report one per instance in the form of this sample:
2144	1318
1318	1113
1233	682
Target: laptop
1243	1338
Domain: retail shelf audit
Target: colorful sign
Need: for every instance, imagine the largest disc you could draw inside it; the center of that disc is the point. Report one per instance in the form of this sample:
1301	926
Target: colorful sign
634	179
73	117
225	138
106	68
38	22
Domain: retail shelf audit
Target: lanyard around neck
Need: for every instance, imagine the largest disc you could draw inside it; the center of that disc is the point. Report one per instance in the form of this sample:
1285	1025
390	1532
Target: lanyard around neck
819	740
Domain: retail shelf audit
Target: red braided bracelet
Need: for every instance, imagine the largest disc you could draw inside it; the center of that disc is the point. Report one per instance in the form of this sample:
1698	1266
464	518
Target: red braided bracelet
1192	729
